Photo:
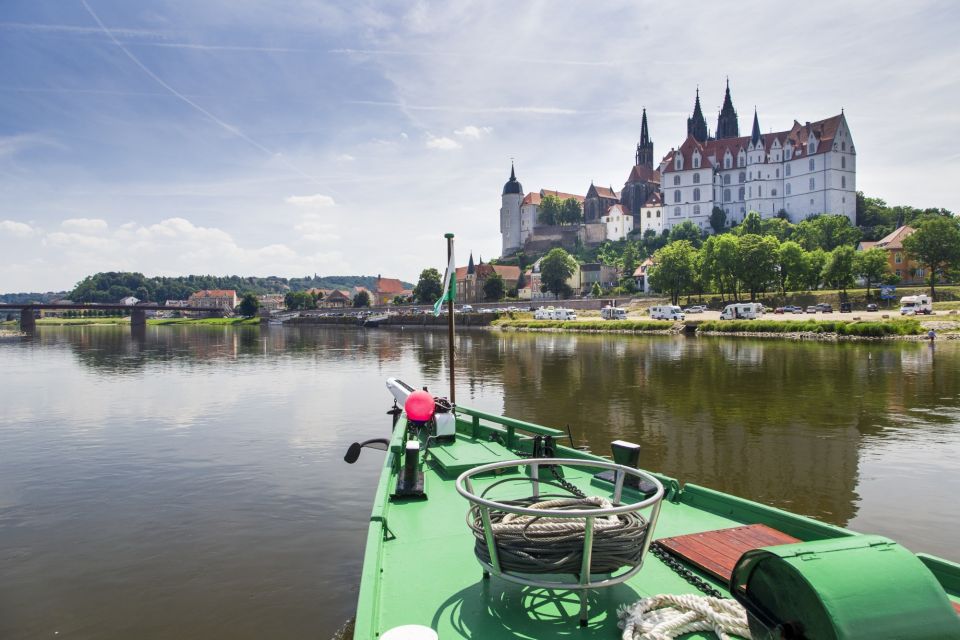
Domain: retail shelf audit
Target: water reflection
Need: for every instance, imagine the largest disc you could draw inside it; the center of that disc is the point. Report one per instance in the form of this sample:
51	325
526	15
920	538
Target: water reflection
188	481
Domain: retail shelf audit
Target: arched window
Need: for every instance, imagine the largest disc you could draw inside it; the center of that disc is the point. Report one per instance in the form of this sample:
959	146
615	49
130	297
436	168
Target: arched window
676	195
727	161
843	162
743	177
676	212
811	148
726	195
786	171
813	164
813	184
843	146
778	173
696	194
696	161
696	178
678	163
773	193
741	159
843	182
759	191
648	215
658	213
788	188
740	194
676	180
696	209
726	179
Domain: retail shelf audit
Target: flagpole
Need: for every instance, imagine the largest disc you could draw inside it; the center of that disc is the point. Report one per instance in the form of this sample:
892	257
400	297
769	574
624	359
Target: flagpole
450	321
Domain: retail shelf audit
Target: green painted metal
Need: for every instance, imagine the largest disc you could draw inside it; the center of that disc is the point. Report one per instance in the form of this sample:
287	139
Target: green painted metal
419	566
851	588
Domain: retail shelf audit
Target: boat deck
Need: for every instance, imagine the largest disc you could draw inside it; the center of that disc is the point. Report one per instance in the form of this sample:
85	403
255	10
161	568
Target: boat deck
420	566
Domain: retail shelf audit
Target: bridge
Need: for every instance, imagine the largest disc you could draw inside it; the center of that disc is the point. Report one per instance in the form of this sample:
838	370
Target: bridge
138	315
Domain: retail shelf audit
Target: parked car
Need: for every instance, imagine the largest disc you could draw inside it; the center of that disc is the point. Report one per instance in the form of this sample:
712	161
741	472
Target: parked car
697	308
798	309
846	307
825	307
812	309
872	307
780	310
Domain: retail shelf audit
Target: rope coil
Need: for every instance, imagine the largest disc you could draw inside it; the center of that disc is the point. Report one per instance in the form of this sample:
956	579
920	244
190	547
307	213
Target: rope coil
668	616
543	544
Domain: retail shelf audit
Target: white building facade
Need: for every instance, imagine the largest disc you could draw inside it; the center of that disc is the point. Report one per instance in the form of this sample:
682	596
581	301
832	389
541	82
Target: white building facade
619	223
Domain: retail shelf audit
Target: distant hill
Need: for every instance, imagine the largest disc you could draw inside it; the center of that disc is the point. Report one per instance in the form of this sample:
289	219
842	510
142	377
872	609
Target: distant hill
20	298
111	286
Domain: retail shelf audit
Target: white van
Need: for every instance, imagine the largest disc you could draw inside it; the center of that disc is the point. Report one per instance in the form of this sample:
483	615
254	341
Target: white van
915	305
666	312
543	313
613	313
742	311
564	314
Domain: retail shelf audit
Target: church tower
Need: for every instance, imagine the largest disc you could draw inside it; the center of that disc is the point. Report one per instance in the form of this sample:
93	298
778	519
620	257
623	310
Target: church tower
727	125
510	213
645	147
697	124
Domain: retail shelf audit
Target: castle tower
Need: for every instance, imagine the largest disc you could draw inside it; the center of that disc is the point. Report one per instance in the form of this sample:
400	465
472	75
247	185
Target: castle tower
697	124
727	125
755	134
645	147
510	213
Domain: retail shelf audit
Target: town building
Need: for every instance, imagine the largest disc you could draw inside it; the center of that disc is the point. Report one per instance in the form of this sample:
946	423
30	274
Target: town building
619	223
387	289
335	299
641	276
472	278
271	302
129	301
225	299
899	261
532	288
596	273
806	169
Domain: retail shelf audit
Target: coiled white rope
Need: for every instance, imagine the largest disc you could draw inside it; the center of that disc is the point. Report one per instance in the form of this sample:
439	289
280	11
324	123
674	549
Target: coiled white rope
515	522
667	616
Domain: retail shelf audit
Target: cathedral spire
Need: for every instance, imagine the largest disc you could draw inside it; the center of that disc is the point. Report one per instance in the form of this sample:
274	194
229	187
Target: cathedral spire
697	125
645	148
470	267
755	134
727	125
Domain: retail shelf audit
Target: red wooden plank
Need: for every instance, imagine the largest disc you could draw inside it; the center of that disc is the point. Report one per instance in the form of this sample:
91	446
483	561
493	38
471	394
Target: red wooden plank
717	552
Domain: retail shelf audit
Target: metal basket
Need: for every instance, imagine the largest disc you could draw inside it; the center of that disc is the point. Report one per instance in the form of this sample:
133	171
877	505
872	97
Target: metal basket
582	580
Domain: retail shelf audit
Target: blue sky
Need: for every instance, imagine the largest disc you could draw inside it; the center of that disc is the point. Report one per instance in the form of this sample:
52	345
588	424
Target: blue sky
293	137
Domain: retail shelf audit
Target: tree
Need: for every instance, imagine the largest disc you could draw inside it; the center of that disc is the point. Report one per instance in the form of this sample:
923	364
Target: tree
718	220
429	287
555	269
688	231
757	262
249	305
835	231
791	264
551	208
571	212
362	299
494	288
300	300
870	265
780	228
816	260
596	290
935	245
752	224
673	269
838	271
629	259
521	280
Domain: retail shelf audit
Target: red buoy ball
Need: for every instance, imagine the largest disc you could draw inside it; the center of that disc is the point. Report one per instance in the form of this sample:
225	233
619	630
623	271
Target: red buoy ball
419	406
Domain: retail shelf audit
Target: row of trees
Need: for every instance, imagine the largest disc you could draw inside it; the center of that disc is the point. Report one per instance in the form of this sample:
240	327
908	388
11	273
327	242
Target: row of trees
553	211
429	288
749	264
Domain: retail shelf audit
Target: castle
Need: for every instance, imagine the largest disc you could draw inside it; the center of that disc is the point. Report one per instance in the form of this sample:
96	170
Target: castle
805	170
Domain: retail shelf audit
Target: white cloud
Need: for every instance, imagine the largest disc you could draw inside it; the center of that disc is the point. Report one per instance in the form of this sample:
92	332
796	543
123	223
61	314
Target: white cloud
345	157
16	229
442	143
470	131
312	229
84	225
316	201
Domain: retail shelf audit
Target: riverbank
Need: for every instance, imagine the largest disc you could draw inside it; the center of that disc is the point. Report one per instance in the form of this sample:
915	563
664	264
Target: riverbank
590	326
72	322
204	321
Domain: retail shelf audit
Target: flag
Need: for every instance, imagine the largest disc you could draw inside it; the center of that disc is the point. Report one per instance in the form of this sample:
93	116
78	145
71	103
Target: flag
449	285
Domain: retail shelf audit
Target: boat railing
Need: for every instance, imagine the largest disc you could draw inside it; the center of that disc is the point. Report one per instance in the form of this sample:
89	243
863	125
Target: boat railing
505	425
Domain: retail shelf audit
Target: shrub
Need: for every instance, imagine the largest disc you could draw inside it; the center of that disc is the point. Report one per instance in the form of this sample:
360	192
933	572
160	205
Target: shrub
588	325
867	329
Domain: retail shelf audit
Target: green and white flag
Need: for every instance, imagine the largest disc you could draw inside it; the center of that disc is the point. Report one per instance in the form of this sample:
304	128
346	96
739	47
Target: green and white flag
449	284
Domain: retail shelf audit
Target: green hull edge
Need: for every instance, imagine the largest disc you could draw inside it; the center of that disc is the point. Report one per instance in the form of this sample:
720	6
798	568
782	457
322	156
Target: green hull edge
419	566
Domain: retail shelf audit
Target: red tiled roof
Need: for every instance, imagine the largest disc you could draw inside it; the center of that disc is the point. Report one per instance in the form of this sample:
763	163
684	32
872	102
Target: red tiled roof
561	195
604	192
531	198
213	293
507	272
894	239
642	173
389	285
615	209
336	294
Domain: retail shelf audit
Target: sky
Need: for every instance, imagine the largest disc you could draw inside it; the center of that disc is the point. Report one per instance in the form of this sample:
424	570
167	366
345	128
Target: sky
295	137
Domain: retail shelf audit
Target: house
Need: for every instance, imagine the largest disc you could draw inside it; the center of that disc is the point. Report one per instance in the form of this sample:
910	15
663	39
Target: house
651	215
596	273
387	289
129	301
271	301
532	289
898	262
336	299
224	299
472	278
619	223
642	275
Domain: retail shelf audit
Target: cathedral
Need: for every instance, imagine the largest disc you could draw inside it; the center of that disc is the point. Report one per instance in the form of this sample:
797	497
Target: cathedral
806	169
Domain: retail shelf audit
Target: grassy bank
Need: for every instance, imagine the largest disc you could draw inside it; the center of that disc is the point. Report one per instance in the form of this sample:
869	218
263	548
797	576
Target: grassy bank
587	325
908	327
204	321
82	321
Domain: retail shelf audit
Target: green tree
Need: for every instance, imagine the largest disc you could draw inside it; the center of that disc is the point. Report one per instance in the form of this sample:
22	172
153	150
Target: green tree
718	220
752	225
429	287
555	269
688	231
779	228
757	262
629	260
870	265
936	246
836	231
249	305
672	271
295	300
838	271
571	212
791	264
494	288
551	210
816	260
362	299
596	290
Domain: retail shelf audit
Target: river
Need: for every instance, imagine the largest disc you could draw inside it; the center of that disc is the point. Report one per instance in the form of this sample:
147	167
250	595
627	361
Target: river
190	483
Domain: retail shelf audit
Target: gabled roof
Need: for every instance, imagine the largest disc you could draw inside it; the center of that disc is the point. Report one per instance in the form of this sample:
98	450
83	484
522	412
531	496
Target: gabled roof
615	209
531	198
389	285
655	200
603	192
894	239
507	272
336	294
642	173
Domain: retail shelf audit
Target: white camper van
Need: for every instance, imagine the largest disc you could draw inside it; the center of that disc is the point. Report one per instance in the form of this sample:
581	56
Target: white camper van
742	311
613	313
564	314
543	313
915	305
666	312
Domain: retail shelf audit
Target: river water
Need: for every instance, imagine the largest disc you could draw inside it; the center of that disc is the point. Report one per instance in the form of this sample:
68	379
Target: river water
189	483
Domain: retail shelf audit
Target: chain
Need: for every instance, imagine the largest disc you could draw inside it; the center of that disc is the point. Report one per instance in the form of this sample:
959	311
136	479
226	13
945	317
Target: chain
566	485
668	559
